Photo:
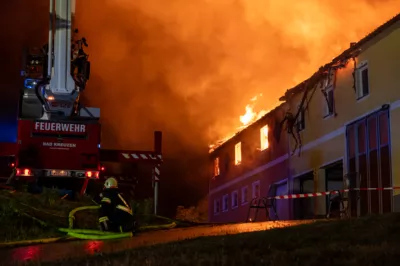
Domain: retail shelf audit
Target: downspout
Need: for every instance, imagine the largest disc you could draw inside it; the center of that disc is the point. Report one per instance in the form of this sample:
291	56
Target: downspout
289	178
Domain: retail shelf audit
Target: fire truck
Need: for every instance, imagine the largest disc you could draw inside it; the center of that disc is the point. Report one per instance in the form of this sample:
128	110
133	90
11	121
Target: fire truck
57	137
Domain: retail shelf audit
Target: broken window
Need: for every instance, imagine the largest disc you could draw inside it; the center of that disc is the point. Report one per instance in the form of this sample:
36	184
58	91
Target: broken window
225	202
256	189
328	88
238	153
328	101
264	137
301	122
216	167
245	196
362	81
235	199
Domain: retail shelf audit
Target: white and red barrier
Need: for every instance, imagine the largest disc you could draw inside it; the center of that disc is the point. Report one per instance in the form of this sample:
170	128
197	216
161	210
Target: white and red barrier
332	192
140	156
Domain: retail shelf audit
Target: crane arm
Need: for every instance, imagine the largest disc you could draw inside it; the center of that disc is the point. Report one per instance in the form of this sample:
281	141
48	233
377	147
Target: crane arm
62	90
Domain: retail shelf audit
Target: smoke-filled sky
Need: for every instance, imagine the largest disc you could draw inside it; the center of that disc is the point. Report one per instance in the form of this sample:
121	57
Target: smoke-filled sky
189	67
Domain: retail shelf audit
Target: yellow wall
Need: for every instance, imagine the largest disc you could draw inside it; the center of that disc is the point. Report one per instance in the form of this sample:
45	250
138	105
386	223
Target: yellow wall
383	56
395	132
313	158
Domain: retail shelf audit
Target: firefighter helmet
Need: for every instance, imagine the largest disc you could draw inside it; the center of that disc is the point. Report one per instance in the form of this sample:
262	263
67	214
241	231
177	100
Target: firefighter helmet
111	183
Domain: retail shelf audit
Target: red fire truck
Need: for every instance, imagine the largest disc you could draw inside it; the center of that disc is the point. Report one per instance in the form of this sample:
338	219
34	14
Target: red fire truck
57	138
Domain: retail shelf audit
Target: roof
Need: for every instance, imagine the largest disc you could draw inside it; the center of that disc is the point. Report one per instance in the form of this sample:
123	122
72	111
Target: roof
218	144
347	54
351	52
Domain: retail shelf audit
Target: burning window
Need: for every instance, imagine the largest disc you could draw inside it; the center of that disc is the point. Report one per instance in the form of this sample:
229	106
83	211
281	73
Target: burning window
264	137
238	153
216	167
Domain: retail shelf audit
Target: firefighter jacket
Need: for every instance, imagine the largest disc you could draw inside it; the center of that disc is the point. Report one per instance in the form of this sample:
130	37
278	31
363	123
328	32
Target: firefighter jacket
114	207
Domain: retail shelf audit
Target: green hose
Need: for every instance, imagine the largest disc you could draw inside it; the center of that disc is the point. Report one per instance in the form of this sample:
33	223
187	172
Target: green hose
100	235
88	234
84	231
71	216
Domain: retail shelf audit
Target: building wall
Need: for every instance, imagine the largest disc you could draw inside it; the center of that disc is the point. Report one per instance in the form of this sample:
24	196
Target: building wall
264	175
267	167
382	55
325	140
383	59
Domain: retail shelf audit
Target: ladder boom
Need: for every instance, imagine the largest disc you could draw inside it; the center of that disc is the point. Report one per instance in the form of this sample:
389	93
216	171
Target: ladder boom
61	81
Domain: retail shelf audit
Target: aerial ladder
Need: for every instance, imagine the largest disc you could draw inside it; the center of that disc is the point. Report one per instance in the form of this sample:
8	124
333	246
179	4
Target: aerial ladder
57	94
54	79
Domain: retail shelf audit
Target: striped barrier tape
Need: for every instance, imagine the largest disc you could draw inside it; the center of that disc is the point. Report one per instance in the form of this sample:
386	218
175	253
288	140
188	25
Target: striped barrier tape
332	192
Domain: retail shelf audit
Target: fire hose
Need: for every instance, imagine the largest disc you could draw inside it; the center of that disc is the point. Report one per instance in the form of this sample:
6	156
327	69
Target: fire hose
87	234
100	235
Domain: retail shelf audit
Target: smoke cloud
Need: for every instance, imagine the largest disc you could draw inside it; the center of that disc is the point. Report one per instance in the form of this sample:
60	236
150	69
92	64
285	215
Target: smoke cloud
190	67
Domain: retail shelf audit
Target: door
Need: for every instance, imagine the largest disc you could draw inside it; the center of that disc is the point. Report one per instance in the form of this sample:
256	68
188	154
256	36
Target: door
282	205
368	153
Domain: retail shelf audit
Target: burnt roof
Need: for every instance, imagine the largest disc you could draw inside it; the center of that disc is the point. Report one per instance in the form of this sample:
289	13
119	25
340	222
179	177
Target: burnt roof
344	56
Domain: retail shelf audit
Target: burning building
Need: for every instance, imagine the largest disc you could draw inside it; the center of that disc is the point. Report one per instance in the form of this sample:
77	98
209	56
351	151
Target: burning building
333	131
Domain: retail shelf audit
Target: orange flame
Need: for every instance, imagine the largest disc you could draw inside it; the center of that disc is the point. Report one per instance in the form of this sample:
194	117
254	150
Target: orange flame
251	116
247	119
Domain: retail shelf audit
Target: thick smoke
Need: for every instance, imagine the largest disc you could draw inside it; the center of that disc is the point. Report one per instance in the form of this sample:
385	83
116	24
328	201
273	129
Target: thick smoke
190	67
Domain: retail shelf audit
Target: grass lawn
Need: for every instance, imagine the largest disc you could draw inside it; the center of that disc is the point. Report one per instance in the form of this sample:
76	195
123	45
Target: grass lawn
366	241
22	215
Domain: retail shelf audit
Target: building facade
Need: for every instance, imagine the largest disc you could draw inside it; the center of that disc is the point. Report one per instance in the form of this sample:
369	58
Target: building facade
347	117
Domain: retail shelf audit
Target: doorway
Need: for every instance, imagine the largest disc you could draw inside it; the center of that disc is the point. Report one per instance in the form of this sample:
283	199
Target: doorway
368	153
303	208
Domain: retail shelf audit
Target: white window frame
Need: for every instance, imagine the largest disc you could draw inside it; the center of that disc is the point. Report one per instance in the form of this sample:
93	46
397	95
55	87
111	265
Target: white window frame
359	83
225	203
244	200
253	194
300	118
238	153
263	137
216	211
327	112
217	167
233	201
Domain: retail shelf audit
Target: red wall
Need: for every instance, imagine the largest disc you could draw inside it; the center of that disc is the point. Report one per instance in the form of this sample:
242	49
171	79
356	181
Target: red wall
233	177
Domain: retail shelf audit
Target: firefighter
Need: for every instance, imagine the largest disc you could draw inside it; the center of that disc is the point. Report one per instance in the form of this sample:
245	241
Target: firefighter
115	213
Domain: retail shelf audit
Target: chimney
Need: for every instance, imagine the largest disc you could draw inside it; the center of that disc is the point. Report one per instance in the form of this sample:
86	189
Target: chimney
352	44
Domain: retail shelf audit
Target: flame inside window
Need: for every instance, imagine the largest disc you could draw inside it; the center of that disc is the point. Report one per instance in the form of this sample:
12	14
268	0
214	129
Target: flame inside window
264	138
216	167
238	153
